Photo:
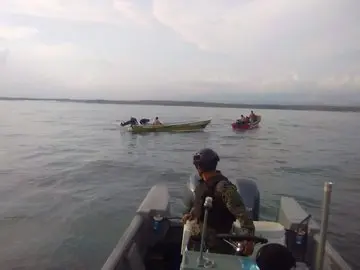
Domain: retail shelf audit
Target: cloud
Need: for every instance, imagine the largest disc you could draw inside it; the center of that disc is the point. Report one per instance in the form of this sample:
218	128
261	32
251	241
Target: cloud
116	12
133	10
79	10
13	33
4	54
38	60
240	27
118	48
39	67
32	53
65	69
278	34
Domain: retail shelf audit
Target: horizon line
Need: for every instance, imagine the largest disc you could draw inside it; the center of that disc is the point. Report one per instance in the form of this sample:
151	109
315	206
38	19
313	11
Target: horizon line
205	104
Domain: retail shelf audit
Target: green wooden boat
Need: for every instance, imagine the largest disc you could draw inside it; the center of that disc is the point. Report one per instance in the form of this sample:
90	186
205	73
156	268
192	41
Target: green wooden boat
171	127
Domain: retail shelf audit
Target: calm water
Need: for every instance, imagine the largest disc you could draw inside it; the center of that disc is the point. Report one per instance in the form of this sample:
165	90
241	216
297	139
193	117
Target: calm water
70	179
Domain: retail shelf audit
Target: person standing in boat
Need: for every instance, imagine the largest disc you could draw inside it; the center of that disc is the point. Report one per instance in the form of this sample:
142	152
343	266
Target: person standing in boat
253	116
228	205
157	121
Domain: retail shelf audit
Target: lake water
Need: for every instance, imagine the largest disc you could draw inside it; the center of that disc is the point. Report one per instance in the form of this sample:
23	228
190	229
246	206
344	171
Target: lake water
71	179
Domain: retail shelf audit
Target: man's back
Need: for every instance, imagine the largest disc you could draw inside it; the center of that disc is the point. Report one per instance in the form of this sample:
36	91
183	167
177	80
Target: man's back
227	203
227	207
219	218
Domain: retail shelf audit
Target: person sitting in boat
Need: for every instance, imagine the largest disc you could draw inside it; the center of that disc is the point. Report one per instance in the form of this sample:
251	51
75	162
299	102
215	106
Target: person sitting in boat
241	120
227	207
157	121
247	120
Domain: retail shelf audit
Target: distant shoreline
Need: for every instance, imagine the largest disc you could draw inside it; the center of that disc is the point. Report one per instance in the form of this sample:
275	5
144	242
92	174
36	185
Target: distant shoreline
332	108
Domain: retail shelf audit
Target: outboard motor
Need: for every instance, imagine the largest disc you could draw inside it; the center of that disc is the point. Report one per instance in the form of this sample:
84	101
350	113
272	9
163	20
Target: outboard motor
189	193
123	124
144	121
133	121
251	196
246	188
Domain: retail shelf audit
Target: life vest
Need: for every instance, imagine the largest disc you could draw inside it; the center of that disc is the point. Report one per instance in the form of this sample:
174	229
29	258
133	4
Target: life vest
219	217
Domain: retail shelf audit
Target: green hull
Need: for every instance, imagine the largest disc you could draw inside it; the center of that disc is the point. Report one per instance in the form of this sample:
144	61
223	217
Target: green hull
173	127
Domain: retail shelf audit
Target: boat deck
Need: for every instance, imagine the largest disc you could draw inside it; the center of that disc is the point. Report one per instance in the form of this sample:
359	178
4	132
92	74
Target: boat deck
142	248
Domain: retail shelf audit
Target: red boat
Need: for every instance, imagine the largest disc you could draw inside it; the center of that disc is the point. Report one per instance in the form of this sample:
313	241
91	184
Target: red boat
246	126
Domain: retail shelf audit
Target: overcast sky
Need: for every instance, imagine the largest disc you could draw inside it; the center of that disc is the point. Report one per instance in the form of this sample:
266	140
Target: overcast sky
178	48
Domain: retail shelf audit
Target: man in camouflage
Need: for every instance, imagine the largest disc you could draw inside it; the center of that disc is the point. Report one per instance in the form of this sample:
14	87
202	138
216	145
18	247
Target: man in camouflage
227	206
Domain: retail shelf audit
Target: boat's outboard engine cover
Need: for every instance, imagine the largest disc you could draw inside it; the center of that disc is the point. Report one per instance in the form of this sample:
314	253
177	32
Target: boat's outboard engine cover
189	193
246	188
133	121
251	196
124	124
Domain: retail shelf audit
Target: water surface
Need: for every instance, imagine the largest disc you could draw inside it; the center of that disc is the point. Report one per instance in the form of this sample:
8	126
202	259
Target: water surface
71	180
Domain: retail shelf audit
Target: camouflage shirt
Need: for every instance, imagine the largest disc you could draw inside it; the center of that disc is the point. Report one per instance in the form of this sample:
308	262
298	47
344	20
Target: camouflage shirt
233	201
235	204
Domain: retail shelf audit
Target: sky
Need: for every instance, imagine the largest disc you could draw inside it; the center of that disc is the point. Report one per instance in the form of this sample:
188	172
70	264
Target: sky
219	50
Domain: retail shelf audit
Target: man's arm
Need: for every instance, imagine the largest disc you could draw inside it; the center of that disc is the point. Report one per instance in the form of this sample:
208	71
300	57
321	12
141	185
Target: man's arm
236	206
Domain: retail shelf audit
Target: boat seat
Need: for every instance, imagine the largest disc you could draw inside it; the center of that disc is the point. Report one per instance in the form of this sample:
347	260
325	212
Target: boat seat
273	231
